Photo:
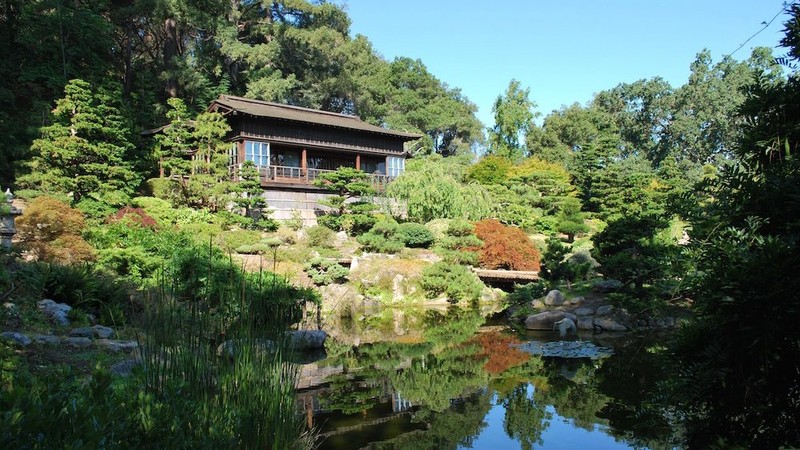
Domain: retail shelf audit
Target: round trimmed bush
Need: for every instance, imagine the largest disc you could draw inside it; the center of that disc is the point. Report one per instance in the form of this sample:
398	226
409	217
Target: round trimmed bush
415	235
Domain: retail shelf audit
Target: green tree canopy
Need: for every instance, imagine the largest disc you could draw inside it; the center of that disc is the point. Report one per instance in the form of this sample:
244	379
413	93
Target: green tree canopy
83	152
513	116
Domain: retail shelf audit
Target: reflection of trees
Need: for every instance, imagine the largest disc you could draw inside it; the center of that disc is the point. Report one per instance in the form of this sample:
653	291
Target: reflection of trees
455	426
454	327
351	396
437	378
576	397
525	418
637	411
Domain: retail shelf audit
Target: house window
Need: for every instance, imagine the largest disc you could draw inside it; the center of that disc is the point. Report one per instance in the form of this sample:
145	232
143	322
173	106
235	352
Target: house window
285	158
396	165
233	155
258	152
373	165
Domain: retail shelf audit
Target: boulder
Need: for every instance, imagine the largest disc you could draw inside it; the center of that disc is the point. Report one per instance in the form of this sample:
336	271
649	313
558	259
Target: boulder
229	349
585	323
607	286
117	346
669	322
77	342
17	338
582	312
103	332
55	311
554	298
45	339
577	300
537	304
545	320
604	310
124	368
82	332
307	339
398	287
609	324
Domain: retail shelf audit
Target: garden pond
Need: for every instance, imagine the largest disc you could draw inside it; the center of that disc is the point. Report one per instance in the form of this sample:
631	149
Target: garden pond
446	379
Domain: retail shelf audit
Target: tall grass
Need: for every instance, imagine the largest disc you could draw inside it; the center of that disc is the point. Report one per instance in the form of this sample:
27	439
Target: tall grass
241	396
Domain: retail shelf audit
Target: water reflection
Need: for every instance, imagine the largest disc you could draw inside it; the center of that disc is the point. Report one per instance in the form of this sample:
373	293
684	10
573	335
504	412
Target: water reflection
459	383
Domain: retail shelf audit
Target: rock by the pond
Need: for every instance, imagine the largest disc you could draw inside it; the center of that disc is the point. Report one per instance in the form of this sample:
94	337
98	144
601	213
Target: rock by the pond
82	332
609	324
77	342
103	332
576	300
229	348
604	310
606	286
17	338
585	323
669	322
307	339
124	368
537	304
45	339
554	298
545	320
566	349
56	311
583	312
117	346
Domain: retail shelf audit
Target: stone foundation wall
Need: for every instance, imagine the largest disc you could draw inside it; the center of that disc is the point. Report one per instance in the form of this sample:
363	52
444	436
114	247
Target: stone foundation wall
283	204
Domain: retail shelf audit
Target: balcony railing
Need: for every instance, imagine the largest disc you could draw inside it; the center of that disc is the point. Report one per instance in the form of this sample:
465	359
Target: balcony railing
296	175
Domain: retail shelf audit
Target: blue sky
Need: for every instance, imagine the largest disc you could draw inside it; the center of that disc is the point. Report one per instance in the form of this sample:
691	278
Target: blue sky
564	51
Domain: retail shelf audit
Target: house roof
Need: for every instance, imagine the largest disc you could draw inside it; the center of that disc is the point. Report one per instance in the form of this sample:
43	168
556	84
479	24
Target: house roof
227	104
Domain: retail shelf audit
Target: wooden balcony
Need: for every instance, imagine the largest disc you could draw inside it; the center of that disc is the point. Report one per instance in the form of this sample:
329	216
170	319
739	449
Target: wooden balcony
287	175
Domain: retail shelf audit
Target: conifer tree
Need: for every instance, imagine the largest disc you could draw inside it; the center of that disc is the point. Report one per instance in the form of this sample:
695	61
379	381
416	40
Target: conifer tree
82	154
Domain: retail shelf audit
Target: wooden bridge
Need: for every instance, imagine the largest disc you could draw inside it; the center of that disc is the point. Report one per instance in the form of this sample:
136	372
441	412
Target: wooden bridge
506	276
486	275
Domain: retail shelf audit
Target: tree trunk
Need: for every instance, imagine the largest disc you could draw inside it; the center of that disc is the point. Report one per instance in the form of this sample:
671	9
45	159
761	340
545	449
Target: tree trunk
170	53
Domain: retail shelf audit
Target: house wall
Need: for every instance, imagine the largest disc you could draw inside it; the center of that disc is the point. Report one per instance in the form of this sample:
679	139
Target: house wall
283	204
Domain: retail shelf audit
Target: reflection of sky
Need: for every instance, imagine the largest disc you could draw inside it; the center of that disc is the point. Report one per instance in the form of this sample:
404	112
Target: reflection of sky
559	434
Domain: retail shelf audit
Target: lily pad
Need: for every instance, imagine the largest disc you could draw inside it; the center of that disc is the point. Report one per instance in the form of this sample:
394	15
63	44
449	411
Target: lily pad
566	349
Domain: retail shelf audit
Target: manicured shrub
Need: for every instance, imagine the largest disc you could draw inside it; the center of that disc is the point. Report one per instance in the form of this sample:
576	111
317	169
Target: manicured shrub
460	228
455	281
457	246
385	228
382	238
51	231
415	235
505	247
439	228
325	271
378	243
319	236
526	293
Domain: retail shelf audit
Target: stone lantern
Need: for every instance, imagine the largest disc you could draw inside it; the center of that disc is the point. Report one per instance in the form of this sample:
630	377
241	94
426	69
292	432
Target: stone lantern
7	215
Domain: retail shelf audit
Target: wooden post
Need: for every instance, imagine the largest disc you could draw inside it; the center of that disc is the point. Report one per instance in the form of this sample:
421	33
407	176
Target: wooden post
358	162
304	164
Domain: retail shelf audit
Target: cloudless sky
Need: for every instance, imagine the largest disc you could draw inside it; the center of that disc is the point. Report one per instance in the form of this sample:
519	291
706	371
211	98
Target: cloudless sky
564	51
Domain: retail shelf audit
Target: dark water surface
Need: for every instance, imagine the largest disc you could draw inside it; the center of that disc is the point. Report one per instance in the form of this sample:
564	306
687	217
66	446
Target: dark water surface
452	381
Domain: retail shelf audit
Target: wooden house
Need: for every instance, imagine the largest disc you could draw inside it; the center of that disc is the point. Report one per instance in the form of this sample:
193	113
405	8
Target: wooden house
292	146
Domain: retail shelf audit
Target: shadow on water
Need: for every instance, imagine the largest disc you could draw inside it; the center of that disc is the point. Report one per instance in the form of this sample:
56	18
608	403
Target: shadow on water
453	381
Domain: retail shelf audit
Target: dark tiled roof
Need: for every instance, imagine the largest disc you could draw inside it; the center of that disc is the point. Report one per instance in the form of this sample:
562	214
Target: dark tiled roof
229	103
